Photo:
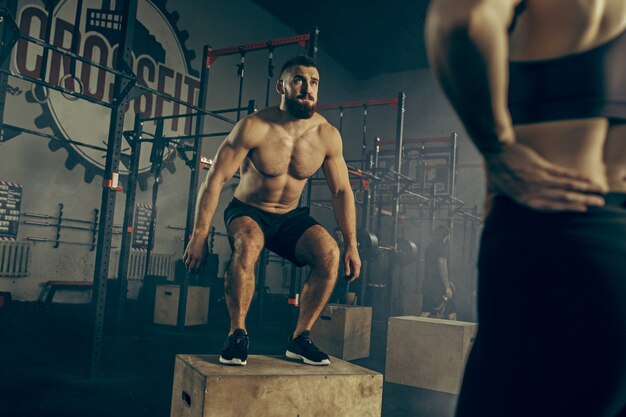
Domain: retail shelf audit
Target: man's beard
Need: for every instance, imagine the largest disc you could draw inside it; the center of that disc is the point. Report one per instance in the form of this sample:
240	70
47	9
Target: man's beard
300	110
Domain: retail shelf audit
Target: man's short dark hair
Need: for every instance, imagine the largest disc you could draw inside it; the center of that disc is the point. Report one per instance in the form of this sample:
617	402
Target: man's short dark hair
305	61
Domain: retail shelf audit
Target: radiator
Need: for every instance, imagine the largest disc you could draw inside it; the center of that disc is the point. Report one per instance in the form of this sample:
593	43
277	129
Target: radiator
160	264
15	259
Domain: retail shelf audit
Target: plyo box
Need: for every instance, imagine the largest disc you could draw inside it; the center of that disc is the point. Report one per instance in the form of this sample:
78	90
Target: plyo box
428	353
344	331
166	305
271	386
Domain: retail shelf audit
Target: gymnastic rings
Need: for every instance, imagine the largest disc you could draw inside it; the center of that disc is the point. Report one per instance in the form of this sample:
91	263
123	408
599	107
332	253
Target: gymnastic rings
81	87
33	92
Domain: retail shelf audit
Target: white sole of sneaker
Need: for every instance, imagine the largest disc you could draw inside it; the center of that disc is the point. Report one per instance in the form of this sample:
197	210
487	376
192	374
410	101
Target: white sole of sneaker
233	361
292	355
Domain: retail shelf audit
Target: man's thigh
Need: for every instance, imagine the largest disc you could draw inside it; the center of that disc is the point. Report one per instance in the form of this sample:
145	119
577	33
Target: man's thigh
315	246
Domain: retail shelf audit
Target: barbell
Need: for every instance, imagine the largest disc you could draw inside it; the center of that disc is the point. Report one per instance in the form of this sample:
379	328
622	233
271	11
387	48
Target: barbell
405	251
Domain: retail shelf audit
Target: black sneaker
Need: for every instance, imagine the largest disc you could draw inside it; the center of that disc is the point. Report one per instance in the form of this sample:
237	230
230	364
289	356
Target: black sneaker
235	349
303	348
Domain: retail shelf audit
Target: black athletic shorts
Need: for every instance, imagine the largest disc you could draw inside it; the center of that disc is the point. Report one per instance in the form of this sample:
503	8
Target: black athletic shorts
281	231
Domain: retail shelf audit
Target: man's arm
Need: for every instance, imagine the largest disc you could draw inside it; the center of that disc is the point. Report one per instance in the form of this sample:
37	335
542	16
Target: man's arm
442	265
336	173
467	43
228	159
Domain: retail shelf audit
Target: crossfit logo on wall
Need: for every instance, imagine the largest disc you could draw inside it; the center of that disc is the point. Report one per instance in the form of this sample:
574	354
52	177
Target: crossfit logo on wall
159	59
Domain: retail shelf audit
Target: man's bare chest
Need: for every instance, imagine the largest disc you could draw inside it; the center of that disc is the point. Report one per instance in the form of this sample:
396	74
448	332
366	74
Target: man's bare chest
283	155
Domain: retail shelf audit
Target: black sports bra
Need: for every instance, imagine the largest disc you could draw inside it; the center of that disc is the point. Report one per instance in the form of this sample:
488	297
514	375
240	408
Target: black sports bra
582	85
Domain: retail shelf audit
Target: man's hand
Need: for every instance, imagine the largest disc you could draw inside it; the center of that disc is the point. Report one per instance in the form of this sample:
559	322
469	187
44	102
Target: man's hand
448	294
195	254
352	262
522	174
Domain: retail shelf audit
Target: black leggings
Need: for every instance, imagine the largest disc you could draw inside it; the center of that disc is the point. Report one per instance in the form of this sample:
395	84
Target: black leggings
552	314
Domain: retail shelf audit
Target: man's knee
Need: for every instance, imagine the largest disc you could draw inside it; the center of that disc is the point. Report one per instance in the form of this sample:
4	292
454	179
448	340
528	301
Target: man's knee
246	242
245	256
327	260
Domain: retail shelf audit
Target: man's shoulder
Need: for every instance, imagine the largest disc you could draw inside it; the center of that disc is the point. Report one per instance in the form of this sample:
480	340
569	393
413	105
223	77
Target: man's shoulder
324	128
264	116
256	122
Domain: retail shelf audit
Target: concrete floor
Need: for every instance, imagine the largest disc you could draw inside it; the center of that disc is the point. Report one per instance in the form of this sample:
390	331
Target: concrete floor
44	352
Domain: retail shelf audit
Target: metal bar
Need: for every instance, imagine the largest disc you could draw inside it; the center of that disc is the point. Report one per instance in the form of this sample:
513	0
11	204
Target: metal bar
193	187
56	242
377	192
444	139
110	105
46	52
63	226
129	77
466	215
240	72
198	113
155	192
270	74
213	54
400	175
314	39
398	162
56	87
184	103
127	228
58	226
204	135
396	193
45	135
75	56
453	164
367	199
341	121
353	104
107	208
47	216
364	138
76	36
411	193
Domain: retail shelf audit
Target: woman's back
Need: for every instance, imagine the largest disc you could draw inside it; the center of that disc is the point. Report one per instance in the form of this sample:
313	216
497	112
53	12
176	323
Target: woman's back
548	29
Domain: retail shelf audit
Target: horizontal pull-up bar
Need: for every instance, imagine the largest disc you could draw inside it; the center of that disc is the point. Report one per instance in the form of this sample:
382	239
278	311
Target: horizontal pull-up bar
393	102
51	137
302	40
204	135
183	115
444	139
55	87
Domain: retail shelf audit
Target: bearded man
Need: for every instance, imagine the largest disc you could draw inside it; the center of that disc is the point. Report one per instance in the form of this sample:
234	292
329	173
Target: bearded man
276	150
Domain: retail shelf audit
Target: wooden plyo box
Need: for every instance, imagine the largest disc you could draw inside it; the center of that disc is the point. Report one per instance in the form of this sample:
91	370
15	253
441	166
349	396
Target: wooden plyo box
428	353
166	305
344	331
271	386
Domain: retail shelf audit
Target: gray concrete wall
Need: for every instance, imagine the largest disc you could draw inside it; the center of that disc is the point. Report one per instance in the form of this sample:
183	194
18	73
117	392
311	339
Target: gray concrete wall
27	160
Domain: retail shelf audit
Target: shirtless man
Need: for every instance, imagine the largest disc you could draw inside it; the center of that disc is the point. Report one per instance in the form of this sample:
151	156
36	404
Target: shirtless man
540	86
276	151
